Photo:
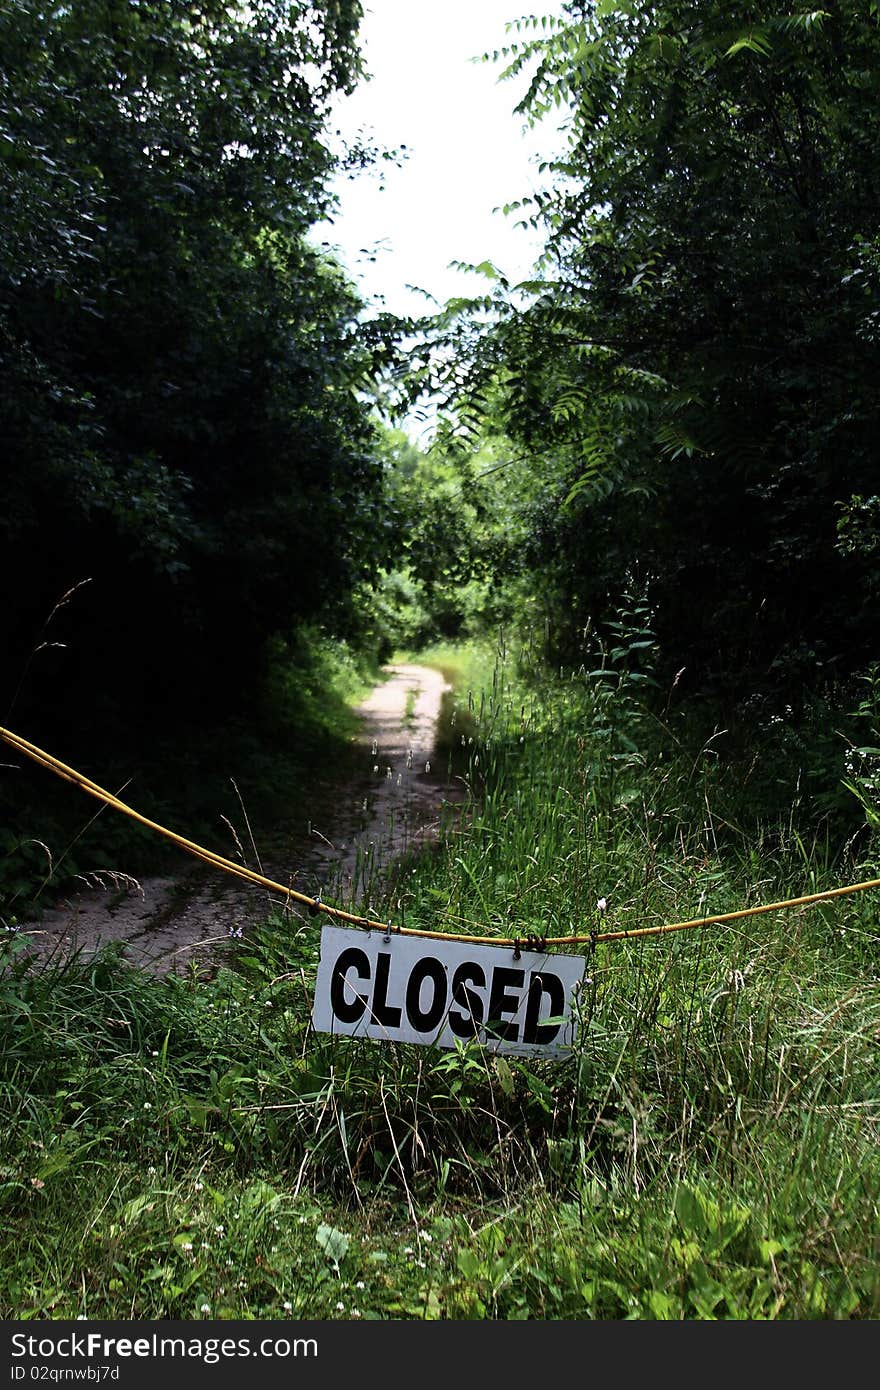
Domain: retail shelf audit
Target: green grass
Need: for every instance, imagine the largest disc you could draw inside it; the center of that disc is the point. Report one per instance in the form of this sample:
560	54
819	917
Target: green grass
290	750
468	666
709	1150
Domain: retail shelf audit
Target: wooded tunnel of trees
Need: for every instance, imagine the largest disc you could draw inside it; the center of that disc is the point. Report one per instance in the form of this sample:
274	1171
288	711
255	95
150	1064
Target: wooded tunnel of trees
643	546
667	437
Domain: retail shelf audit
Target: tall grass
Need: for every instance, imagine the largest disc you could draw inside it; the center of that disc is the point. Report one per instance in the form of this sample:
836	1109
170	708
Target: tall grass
194	774
709	1149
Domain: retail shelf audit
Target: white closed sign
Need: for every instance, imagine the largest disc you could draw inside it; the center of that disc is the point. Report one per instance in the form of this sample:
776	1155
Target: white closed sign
413	989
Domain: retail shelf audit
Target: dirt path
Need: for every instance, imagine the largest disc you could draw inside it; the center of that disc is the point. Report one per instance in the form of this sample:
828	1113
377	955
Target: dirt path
180	923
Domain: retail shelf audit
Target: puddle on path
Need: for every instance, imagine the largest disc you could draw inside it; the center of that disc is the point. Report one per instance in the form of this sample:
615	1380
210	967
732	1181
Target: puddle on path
171	924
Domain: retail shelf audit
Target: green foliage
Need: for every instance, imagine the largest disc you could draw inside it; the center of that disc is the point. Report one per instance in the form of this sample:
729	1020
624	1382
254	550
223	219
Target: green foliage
863	755
192	497
708	1151
455	545
287	753
661	465
184	412
692	372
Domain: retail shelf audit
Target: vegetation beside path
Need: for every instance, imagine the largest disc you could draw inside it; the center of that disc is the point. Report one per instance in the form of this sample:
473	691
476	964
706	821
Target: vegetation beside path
186	1149
653	466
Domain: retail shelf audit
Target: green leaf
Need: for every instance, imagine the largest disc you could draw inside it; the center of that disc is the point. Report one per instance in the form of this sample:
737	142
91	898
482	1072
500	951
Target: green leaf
334	1244
752	43
505	1076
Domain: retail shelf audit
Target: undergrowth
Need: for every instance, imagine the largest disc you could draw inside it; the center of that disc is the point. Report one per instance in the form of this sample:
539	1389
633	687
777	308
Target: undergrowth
194	777
186	1148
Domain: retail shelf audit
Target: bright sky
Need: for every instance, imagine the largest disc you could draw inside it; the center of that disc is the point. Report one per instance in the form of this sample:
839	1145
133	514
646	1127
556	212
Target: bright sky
467	153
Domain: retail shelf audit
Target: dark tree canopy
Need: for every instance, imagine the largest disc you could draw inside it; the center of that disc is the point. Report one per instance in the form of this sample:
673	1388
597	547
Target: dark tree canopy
181	411
701	358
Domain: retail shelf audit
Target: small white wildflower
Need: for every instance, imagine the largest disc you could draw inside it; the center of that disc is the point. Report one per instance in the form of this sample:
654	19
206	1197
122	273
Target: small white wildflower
147	1105
199	1187
601	904
186	1245
407	1250
426	1237
340	1307
288	1307
155	1054
219	1230
355	1312
360	1284
205	1308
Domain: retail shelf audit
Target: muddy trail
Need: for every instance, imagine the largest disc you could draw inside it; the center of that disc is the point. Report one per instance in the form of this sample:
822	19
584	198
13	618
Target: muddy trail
185	922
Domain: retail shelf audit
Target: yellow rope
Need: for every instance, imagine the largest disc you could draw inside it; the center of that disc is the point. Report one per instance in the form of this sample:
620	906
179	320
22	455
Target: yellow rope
217	861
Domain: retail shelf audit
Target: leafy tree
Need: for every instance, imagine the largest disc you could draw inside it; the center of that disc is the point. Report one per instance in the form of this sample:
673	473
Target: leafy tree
182	408
459	521
700	355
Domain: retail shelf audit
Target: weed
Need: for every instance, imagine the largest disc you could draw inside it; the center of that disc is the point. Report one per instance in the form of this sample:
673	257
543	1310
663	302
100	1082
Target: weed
708	1149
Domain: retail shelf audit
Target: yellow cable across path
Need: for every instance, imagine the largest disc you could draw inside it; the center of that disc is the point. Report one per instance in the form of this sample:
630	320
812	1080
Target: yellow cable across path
229	866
